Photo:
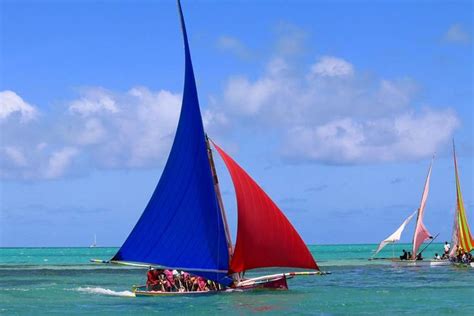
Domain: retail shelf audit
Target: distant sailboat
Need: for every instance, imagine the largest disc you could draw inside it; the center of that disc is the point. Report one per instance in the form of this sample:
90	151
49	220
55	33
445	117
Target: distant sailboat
184	225
421	233
393	238
461	232
94	244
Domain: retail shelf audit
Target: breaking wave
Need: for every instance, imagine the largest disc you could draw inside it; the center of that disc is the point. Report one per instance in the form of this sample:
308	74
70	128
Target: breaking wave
102	291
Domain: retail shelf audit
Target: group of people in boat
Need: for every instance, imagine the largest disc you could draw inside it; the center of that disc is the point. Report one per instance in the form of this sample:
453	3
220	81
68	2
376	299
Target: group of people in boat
408	256
165	280
447	250
460	256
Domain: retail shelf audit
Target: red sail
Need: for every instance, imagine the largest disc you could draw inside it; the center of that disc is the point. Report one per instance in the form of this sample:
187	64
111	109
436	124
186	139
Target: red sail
265	237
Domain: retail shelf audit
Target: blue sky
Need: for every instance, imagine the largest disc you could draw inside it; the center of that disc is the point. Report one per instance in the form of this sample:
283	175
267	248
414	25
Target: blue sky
334	107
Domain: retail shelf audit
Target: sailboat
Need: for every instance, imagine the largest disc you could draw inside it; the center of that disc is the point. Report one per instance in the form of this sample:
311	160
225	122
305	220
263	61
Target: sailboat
94	244
461	237
184	225
420	235
393	238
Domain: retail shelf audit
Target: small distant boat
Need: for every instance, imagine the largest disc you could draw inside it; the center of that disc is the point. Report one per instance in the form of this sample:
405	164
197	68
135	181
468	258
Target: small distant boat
421	233
184	225
461	232
393	238
94	244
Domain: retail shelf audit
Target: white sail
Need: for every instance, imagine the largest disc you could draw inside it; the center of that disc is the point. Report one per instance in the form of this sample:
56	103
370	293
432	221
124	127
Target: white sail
396	235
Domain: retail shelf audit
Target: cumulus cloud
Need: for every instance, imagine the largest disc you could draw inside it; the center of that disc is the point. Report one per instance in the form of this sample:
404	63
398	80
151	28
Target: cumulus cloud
404	137
327	111
99	129
333	114
59	161
234	46
11	103
329	66
15	156
457	34
94	101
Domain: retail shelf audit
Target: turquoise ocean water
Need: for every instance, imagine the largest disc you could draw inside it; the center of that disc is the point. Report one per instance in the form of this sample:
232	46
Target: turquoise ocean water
61	281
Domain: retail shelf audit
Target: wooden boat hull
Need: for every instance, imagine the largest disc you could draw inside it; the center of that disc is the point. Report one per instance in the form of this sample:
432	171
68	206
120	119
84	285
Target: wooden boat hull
421	263
463	265
141	293
267	282
141	290
272	284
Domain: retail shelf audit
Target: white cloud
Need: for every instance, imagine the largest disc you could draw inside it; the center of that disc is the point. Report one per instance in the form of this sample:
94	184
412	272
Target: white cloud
138	133
282	96
332	67
248	98
59	161
347	141
100	129
324	112
11	103
335	115
457	34
15	156
234	46
94	100
93	132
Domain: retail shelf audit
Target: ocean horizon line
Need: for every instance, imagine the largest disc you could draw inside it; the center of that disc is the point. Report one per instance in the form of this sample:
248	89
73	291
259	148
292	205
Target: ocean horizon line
331	244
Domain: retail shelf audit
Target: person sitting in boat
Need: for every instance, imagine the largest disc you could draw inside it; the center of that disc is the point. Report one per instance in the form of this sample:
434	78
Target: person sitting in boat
186	281
212	285
459	253
193	282
437	257
171	285
202	285
447	248
409	257
153	281
177	281
419	257
404	256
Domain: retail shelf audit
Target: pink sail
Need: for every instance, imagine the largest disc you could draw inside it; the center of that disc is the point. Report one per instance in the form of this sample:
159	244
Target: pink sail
421	232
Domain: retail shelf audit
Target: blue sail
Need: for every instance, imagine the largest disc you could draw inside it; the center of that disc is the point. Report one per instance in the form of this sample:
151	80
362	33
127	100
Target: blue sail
182	225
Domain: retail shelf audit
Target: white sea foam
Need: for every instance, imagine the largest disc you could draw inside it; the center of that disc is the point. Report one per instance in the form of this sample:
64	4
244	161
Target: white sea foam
102	291
15	289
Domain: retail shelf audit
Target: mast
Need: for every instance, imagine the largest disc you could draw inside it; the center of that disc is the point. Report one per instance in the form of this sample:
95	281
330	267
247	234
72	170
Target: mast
455	238
219	198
